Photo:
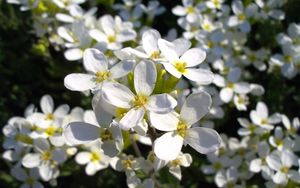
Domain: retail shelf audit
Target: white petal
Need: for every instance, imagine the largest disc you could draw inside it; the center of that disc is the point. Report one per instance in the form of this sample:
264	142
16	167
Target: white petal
274	162
73	54
172	70
47	104
46	171
168	146
234	74
195	107
200	76
182	45
262	109
64	33
117	94
64	18
31	160
132	118
168	49
204	140
176	171
226	94
108	24
255	165
83	157
94	60
280	178
41	144
79	82
61	110
242	87
164	122
161	103
145	77
98	35
179	10
193	57
149	41
122	69
77	133
19	173
288	158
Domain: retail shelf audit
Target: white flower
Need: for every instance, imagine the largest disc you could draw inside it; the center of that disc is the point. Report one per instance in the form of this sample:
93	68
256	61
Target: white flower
214	4
181	61
259	164
77	133
94	159
188	10
203	140
30	177
46	159
144	82
183	159
98	69
292	128
279	141
282	163
260	117
231	85
113	32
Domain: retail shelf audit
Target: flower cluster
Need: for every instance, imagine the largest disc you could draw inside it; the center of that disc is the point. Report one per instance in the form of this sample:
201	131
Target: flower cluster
266	147
160	93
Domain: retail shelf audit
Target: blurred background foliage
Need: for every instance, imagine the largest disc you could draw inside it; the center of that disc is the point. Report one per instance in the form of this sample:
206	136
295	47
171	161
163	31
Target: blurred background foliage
30	68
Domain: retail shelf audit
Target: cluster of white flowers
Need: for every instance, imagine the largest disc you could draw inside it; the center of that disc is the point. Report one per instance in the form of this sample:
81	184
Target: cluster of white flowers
264	148
161	93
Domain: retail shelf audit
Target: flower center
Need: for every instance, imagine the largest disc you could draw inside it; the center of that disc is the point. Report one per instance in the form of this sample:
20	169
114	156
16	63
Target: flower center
181	128
120	112
29	181
24	138
180	66
95	156
206	27
140	100
241	17
50	131
264	121
218	165
111	38
230	85
127	163
49	116
106	135
284	169
216	3
101	76
288	58
155	55
190	10
46	156
176	162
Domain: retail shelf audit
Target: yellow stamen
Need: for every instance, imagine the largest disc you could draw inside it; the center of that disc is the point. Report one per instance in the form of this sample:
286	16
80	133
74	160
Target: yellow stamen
95	156
101	76
140	100
181	128
155	55
46	156
180	66
111	38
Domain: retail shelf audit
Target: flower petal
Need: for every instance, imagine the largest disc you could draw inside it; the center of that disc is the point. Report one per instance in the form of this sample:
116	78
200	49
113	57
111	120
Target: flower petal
31	160
193	57
195	107
77	133
47	104
73	54
79	82
168	49
161	103
200	76
132	118
145	77
117	94
94	60
168	146
149	41
164	122
122	69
